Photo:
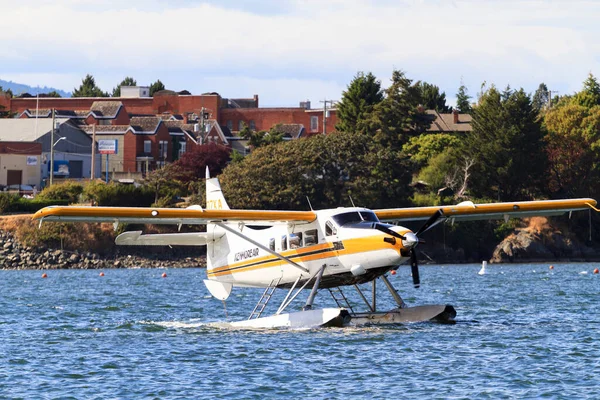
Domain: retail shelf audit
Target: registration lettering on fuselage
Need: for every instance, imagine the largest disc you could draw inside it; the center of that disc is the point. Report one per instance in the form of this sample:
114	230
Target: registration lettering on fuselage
214	204
244	255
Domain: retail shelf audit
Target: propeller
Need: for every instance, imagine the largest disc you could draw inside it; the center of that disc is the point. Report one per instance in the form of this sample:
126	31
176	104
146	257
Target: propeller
414	265
388	231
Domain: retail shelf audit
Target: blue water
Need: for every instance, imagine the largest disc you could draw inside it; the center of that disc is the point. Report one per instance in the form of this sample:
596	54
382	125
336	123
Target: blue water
523	331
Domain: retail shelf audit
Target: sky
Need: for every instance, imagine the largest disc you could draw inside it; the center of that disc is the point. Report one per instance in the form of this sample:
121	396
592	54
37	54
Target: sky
297	50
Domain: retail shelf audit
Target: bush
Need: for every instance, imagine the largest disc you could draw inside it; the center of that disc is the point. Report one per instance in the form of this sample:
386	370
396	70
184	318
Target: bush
7	200
68	191
14	203
80	237
115	194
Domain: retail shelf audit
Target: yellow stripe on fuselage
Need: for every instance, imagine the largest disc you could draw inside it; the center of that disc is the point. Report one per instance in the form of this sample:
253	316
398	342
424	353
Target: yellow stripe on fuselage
305	254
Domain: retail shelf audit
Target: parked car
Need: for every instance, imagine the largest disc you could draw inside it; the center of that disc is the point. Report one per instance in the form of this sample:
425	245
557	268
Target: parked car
27	190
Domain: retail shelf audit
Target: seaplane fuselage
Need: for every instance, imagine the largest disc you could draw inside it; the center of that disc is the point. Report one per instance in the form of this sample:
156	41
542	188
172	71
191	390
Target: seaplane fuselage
346	240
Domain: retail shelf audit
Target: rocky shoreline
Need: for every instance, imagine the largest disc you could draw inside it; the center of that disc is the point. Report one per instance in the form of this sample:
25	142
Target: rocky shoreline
14	256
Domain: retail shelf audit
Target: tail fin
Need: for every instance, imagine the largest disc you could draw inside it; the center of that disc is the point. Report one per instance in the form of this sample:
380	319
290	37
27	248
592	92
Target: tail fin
214	196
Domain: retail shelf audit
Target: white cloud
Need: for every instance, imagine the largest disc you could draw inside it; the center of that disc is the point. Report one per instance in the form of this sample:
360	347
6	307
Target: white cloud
301	48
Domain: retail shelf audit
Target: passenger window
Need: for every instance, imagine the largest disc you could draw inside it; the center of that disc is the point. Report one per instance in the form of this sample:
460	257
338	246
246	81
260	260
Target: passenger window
329	229
284	242
272	244
295	240
311	237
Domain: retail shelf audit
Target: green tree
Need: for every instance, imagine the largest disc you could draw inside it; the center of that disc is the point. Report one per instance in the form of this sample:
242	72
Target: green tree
262	138
507	144
166	182
128	81
88	88
357	101
399	116
574	150
155	87
590	95
325	168
463	105
541	97
423	147
432	98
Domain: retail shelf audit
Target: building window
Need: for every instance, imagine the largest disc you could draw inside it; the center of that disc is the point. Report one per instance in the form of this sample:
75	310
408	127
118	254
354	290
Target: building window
160	164
147	146
182	148
163	147
104	122
240	125
314	123
252	125
230	124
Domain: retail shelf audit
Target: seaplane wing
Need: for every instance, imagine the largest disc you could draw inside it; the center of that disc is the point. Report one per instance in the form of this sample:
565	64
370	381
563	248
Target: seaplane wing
470	211
173	216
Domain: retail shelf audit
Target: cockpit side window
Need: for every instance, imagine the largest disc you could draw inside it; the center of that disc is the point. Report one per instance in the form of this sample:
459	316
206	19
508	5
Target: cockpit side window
329	229
284	242
353	217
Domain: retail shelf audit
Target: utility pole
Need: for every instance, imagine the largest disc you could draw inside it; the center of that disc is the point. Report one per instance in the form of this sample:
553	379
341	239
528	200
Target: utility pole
550	97
52	148
93	174
326	113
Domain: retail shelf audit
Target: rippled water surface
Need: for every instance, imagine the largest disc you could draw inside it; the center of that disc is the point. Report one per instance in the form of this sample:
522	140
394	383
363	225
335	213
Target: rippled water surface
523	331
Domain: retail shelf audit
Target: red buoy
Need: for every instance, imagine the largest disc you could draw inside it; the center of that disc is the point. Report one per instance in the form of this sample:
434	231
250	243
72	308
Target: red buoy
596	271
164	275
551	267
101	274
393	272
44	275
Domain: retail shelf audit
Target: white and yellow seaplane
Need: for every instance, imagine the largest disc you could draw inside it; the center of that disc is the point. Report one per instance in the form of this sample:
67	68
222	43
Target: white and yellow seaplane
321	250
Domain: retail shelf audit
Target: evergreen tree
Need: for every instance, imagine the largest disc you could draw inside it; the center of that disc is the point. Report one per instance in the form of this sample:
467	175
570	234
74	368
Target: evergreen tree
399	115
88	88
507	144
590	95
541	97
463	105
128	81
357	101
155	87
432	98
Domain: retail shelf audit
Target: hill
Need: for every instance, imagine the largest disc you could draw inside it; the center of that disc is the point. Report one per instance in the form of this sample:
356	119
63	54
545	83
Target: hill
18	88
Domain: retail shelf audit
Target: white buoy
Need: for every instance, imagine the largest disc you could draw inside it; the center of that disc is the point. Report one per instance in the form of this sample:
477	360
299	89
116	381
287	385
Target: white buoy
482	271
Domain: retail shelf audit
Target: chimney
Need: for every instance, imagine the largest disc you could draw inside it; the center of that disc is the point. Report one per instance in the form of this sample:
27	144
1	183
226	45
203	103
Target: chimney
256	100
455	116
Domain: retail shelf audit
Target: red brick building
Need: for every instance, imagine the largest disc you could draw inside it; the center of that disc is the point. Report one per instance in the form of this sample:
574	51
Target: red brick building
155	130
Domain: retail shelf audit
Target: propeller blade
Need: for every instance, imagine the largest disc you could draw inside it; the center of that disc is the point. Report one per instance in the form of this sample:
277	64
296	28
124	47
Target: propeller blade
414	267
388	231
431	222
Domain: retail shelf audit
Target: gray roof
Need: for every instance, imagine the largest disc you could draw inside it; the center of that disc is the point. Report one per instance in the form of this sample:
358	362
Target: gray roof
25	129
106	109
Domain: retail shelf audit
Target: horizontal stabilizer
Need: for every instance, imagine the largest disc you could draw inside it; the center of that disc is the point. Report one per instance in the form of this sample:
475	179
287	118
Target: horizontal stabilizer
135	238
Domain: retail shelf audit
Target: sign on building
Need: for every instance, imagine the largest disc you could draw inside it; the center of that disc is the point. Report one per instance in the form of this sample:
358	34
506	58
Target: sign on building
108	146
32	160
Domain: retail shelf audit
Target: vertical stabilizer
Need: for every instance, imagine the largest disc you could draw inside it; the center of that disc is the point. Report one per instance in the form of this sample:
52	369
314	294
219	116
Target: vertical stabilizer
214	196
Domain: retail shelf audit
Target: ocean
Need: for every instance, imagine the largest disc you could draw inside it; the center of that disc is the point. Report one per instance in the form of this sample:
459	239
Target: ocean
523	331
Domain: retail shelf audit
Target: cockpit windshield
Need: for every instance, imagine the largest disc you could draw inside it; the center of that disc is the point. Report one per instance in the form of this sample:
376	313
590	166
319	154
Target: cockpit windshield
354	217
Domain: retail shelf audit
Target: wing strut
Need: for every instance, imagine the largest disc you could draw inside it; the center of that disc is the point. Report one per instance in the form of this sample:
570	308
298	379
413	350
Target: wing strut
263	247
